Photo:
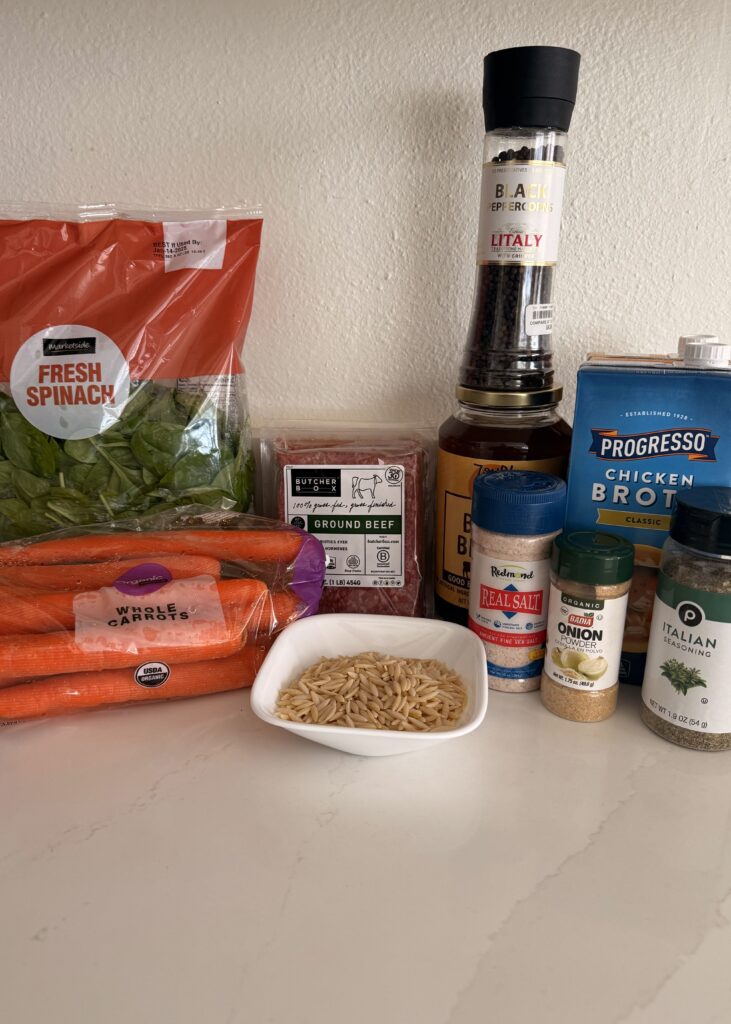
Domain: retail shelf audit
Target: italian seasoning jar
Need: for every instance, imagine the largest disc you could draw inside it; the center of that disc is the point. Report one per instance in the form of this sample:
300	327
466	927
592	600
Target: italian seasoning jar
515	517
591	574
686	693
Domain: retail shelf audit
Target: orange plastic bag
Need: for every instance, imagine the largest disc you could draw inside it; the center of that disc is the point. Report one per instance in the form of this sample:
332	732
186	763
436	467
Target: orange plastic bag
120	614
121	382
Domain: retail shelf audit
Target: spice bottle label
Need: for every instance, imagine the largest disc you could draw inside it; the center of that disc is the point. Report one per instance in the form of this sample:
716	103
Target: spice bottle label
456	475
687	673
584	643
357	512
520	213
508	606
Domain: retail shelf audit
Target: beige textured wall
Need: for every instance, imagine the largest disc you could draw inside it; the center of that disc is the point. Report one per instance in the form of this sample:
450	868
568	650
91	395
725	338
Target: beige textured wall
358	126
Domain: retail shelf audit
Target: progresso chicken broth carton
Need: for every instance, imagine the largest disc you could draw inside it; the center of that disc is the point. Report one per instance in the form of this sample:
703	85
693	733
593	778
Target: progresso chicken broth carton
642	431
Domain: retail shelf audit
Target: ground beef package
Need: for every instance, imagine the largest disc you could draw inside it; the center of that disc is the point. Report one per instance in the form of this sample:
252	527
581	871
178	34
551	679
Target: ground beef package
366	494
121	383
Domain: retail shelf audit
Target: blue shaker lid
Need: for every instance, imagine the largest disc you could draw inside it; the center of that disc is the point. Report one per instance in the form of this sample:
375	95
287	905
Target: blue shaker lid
518	501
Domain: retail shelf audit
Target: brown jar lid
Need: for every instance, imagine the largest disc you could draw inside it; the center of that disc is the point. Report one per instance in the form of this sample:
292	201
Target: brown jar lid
510	399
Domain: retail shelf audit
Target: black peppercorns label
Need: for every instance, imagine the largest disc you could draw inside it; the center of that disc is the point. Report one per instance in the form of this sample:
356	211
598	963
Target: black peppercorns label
520	213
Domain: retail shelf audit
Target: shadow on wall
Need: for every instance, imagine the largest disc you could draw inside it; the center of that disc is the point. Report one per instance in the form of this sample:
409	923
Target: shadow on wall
397	222
439	217
431	205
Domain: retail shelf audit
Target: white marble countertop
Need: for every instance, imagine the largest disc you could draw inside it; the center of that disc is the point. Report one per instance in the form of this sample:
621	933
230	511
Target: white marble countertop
187	864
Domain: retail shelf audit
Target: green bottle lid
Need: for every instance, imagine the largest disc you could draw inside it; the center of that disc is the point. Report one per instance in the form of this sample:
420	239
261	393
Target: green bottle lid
587	556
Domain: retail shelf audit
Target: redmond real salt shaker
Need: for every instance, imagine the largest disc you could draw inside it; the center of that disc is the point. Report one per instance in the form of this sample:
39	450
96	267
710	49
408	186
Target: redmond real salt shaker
516	514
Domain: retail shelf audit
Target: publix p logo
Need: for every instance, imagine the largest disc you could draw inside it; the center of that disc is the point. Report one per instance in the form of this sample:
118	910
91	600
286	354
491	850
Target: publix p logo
690	614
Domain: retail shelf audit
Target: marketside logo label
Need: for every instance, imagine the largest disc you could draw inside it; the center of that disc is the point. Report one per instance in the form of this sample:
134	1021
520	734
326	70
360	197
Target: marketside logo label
145	578
69	346
698	444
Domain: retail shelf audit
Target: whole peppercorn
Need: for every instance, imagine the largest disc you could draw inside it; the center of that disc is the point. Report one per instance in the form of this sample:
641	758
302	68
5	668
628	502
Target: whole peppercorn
500	355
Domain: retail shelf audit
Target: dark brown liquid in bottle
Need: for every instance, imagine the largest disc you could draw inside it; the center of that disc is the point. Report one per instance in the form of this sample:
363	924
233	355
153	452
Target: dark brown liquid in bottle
505	439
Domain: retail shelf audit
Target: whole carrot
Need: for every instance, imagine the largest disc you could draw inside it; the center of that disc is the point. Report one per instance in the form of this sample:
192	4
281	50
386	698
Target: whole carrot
247	606
80	576
28	656
28	611
50	611
270	615
225	545
85	690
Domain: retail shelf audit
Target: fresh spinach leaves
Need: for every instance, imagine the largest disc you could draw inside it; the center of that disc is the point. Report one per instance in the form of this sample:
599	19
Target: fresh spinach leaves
170	448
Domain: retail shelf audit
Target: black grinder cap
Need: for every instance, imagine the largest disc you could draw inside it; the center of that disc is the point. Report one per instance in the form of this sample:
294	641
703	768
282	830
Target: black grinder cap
702	519
530	87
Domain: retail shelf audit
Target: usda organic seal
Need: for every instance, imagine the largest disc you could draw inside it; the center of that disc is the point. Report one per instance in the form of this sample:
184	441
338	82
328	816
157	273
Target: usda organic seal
152	674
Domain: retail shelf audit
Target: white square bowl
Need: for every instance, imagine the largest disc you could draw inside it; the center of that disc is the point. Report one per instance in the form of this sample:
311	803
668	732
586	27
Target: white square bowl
331	636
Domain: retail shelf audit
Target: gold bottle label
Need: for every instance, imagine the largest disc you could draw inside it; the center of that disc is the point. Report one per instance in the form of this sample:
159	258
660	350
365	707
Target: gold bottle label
456	475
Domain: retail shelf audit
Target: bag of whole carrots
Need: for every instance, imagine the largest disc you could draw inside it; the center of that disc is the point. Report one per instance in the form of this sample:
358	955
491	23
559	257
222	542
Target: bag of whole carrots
121	383
120	614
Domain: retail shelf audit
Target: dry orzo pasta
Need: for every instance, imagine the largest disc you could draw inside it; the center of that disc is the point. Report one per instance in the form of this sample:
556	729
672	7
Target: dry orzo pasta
376	691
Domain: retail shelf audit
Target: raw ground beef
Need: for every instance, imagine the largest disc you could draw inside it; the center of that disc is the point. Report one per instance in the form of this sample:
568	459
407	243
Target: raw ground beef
410	452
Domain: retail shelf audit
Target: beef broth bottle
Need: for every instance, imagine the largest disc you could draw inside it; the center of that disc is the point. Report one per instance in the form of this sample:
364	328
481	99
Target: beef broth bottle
507	414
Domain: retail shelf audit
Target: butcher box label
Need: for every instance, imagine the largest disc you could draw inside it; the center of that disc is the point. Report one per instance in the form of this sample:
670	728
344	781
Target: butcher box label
354	524
358	514
314	483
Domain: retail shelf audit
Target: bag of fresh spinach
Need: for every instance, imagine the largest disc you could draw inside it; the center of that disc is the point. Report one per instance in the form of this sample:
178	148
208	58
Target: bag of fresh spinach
121	383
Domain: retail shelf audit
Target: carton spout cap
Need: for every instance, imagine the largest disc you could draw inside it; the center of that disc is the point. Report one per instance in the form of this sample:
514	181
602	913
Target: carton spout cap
704	351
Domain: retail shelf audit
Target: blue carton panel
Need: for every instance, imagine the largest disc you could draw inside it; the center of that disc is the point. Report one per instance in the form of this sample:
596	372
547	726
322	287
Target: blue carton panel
641	433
